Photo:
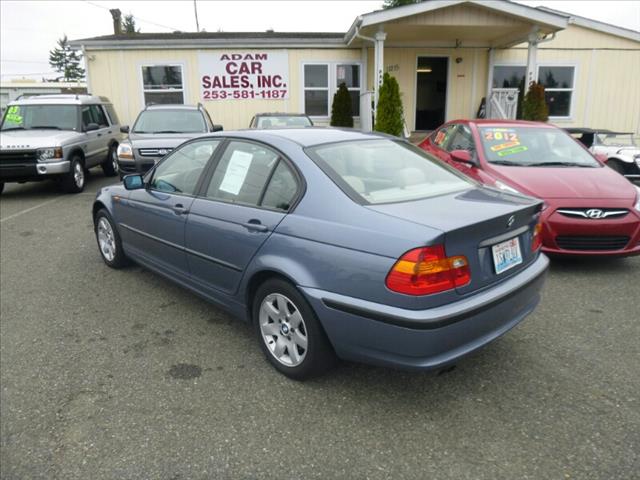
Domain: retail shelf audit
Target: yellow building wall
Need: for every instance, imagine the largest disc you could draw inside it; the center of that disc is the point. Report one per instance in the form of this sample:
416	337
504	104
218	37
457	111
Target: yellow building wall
607	77
606	91
467	79
460	15
117	75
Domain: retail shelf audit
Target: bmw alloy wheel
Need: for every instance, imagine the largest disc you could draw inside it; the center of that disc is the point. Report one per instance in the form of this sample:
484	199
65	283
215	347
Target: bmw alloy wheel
283	330
106	239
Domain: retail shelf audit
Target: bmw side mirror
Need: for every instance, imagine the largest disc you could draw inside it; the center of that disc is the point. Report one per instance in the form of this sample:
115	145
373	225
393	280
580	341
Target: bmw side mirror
124	129
91	127
463	156
133	182
216	128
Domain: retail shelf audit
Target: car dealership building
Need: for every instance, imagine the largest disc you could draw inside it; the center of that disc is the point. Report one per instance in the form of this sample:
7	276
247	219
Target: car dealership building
447	55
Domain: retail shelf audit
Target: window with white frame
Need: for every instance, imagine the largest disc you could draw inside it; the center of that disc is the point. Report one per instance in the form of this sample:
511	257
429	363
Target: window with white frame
162	84
321	81
558	82
349	74
316	90
508	76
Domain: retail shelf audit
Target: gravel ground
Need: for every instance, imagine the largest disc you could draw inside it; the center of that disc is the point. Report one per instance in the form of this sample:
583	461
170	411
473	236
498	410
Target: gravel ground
122	375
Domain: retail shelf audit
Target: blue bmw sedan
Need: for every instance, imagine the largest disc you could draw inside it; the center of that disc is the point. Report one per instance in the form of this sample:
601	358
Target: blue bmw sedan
332	243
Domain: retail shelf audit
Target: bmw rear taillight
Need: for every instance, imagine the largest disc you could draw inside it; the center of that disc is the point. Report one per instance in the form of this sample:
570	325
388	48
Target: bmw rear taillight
428	270
536	241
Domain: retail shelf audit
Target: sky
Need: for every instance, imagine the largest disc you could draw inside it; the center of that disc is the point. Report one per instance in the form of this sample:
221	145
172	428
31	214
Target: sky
29	29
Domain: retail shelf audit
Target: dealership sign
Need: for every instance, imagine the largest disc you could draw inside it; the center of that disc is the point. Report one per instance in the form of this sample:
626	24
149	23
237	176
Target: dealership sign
248	75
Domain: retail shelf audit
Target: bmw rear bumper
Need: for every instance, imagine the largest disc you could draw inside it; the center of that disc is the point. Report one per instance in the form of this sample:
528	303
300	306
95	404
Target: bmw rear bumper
377	334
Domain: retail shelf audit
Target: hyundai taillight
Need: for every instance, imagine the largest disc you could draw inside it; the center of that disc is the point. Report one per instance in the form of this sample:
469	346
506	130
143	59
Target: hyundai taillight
428	270
536	241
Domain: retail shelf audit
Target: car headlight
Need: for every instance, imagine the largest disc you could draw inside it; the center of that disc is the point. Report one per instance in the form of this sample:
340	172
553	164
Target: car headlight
125	152
637	205
506	188
49	154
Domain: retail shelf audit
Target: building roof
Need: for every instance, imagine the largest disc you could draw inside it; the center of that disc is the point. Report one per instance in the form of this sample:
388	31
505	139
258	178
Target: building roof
208	39
596	25
546	18
549	20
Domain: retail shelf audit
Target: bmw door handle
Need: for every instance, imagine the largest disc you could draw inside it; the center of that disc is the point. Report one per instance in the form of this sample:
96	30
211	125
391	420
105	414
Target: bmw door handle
99	135
180	209
255	225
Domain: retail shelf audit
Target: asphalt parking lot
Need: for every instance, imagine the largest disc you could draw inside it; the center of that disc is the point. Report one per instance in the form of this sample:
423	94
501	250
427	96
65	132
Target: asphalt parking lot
122	375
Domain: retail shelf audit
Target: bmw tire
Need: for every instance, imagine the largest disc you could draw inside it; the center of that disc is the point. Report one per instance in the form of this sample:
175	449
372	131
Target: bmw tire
109	242
289	332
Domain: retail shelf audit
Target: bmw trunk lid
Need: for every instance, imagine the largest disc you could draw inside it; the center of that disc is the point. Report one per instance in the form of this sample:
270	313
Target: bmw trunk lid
474	221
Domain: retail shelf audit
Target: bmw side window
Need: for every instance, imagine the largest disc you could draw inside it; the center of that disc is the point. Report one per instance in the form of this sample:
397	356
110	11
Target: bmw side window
282	188
181	170
242	173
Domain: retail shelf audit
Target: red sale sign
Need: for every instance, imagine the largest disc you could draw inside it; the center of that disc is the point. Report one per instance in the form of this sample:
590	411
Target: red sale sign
246	75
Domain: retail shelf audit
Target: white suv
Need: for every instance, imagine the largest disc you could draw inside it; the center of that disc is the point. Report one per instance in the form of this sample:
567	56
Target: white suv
58	137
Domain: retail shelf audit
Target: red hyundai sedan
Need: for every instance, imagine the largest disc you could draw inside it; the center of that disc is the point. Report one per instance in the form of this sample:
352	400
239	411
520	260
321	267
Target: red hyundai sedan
589	209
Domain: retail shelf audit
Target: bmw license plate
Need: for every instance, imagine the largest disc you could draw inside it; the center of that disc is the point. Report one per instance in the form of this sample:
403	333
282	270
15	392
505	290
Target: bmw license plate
506	255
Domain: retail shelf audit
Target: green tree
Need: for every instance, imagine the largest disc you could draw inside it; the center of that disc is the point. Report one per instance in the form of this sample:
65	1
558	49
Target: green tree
389	116
129	25
398	3
534	105
66	61
341	114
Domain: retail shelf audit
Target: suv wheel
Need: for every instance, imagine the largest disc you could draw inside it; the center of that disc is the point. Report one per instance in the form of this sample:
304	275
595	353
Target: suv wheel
109	242
289	333
73	182
110	165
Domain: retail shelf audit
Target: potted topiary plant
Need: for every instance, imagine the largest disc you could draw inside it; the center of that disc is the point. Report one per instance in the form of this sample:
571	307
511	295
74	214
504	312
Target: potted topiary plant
341	114
389	116
534	105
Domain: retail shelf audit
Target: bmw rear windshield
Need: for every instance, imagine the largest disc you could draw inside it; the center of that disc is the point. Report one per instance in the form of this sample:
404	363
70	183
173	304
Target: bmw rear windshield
386	171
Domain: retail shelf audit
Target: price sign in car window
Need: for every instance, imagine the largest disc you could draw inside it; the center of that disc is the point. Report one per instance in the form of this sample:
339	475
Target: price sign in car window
236	172
503	141
13	115
442	136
